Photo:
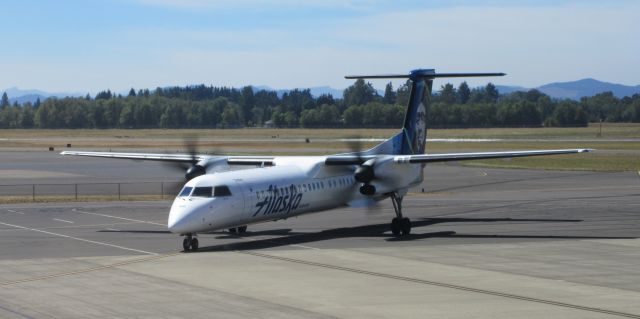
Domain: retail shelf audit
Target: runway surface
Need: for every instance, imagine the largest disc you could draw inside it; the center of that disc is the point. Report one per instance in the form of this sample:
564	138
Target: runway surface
486	243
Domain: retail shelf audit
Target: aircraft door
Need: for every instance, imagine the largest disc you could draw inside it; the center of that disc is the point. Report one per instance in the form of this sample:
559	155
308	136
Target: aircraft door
239	203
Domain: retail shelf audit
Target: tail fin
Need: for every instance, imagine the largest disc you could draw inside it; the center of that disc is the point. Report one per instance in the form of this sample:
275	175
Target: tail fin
415	119
413	138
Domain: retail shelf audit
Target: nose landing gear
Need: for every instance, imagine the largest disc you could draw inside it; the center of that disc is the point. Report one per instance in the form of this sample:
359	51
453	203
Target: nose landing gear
190	243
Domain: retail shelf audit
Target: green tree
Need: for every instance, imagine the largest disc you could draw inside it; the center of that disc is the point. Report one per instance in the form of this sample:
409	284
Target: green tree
359	93
248	103
447	94
403	93
230	116
602	106
5	100
632	111
569	113
127	119
463	93
325	99
389	94
491	93
26	120
104	95
519	113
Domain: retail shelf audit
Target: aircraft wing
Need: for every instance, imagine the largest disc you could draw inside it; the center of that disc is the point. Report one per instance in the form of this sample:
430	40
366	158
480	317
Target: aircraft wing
184	158
430	158
337	160
187	158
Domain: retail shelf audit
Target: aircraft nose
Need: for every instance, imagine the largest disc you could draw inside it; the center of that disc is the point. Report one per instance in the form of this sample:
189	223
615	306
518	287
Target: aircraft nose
178	220
176	225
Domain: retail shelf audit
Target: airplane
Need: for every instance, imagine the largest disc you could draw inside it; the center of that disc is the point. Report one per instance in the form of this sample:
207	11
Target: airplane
279	187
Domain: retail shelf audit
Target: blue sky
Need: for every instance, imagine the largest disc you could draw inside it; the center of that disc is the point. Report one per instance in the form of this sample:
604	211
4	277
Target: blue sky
86	46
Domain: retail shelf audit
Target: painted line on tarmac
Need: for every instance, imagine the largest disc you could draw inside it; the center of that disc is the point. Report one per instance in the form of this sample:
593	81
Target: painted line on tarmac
76	272
444	285
117	217
64	220
80	239
15	211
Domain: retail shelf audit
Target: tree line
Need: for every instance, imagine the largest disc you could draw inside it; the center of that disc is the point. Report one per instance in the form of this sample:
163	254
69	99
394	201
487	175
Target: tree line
203	106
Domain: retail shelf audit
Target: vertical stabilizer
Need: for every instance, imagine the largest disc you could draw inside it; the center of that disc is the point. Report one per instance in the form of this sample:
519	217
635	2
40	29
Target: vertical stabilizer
413	138
415	120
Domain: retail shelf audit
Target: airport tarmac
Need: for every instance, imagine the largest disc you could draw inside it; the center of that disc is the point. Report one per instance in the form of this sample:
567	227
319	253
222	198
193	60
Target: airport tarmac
486	243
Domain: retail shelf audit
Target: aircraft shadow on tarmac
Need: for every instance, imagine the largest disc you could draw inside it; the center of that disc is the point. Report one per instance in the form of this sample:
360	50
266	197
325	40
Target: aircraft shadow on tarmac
381	231
135	231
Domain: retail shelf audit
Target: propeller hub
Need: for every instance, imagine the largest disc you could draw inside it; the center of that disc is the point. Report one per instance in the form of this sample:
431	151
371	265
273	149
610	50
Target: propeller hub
195	171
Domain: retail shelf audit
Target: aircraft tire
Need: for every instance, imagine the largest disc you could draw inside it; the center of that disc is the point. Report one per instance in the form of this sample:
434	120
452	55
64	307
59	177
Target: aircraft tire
186	245
395	226
194	244
242	229
405	226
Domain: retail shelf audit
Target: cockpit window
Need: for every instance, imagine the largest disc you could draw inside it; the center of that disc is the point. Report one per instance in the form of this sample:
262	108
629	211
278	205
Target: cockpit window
185	191
220	191
202	192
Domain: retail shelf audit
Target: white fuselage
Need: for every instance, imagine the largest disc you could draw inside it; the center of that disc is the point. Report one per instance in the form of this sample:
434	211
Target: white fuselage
242	197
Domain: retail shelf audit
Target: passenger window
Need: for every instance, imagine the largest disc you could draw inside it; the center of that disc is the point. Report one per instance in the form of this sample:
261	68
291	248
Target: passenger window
202	192
185	191
220	191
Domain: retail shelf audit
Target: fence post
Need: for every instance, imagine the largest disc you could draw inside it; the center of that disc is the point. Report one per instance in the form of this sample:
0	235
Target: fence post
161	190
76	187
33	192
118	191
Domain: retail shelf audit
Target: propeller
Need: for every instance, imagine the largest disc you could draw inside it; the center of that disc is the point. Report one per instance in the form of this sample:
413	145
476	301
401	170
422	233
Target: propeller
364	173
194	167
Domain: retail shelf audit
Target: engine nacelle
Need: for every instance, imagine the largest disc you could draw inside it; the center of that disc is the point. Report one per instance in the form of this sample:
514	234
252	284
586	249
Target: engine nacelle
367	190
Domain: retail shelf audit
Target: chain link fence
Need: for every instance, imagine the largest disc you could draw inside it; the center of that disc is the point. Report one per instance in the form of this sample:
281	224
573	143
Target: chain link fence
89	191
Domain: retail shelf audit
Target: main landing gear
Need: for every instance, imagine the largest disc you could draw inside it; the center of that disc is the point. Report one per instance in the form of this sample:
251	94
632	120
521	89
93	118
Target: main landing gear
400	226
238	230
190	242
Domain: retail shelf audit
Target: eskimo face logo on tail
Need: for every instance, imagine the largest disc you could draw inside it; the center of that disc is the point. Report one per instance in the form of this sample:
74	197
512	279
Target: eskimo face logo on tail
420	130
278	203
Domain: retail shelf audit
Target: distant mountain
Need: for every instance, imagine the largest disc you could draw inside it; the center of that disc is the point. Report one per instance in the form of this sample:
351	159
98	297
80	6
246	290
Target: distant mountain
587	87
577	89
31	98
506	89
24	96
561	90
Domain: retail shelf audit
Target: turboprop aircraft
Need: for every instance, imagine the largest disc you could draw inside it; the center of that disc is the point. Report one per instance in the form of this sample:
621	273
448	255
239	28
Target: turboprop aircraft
279	187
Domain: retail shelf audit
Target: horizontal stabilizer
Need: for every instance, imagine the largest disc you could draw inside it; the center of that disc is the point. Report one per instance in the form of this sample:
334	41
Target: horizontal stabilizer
423	74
